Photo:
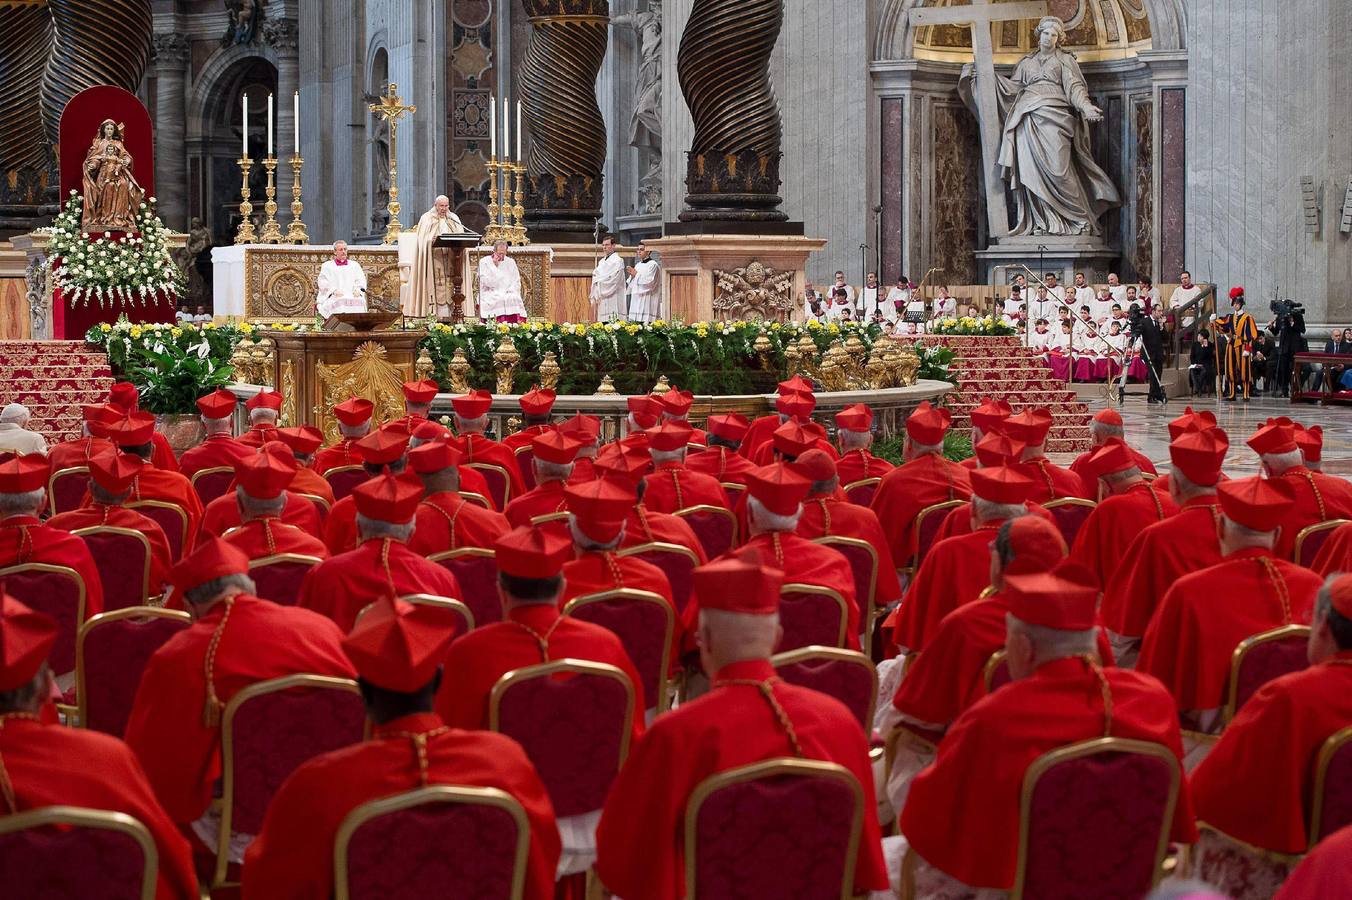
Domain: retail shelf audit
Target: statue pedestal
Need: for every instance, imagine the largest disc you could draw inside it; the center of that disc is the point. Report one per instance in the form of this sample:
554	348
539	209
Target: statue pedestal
1063	254
733	276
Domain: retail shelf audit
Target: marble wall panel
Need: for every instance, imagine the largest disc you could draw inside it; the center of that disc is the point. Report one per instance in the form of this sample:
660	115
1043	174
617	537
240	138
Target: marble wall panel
1173	165
1144	214
1108	144
956	205
892	174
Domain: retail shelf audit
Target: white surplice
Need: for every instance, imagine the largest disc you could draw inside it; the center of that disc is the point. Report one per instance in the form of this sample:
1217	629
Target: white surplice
500	288
607	288
645	292
342	288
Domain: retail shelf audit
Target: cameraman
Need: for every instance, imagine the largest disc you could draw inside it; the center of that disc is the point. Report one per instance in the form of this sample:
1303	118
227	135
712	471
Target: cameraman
1289	329
1149	332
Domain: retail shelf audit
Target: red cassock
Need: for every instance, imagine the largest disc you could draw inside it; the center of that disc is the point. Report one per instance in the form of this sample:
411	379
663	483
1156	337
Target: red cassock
950	675
765	453
260	640
1256	783
672	486
640	838
169	487
101	516
1051	482
1090	480
909	488
222	514
977	777
645	527
529	636
69	454
479	449
860	464
1161	554
631	442
162	455
1205	615
541	500
340	454
594	572
1325	872
292	858
308	481
525	436
216	451
23	539
825	515
49	765
959	519
1115	521
270	536
721	464
343	585
1319	498
258	435
761	431
584	470
447	521
955	572
340	527
1336	553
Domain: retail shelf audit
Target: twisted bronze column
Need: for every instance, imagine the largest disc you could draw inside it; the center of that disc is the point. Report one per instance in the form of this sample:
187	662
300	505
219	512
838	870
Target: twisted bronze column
732	170
97	42
25	41
567	133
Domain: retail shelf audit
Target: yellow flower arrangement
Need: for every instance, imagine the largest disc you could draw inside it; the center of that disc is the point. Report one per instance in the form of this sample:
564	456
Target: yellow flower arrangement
105	328
176	331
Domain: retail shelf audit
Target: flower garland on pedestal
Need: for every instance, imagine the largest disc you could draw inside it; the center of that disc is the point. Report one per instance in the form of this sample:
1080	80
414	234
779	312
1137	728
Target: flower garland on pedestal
969	325
116	268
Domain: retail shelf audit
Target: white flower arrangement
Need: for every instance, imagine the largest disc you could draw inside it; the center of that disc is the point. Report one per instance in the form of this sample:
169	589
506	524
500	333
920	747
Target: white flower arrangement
114	271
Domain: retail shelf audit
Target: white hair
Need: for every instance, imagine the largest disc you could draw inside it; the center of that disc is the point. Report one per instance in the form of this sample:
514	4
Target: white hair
1277	463
764	520
1053	643
586	543
262	413
988	511
1114	478
14	412
666	456
1182	487
354	431
251	507
854	440
21	504
218	426
441	197
339	242
1236	536
208	591
1106	430
375	528
737	636
1032	451
920	449
552	471
477	424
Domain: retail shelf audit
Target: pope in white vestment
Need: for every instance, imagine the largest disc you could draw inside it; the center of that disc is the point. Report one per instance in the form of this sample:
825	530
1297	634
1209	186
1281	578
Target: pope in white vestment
645	289
607	287
429	287
500	287
342	284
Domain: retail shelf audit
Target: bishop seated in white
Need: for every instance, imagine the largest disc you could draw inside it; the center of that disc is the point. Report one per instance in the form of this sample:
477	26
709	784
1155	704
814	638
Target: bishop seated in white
500	287
342	284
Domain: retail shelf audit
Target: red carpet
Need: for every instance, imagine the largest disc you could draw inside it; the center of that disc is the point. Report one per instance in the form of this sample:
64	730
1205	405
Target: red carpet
53	379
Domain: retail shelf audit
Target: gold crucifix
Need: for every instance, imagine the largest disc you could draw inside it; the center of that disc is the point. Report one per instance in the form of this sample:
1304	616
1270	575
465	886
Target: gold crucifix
391	108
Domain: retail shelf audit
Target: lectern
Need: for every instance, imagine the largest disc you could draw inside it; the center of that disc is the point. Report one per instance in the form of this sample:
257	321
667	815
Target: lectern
456	245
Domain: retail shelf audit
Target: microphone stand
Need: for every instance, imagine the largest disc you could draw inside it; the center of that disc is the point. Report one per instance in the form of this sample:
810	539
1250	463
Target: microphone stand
863	279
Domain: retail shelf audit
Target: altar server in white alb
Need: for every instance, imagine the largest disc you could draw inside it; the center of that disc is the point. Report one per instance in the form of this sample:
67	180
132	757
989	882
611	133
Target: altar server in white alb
607	287
500	287
645	288
342	284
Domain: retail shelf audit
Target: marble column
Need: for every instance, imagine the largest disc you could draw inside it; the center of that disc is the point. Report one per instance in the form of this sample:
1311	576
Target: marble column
283	35
171	166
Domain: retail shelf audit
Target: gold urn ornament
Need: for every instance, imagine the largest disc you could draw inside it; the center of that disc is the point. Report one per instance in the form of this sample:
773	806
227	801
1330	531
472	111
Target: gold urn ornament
663	386
550	370
505	359
908	367
460	369
423	367
606	388
876	369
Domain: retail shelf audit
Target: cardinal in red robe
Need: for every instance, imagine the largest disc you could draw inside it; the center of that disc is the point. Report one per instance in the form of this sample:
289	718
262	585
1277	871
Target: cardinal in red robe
926	478
125	398
536	405
262	480
721	460
1190	420
552	455
263	409
385	450
795	401
644	413
1129	507
132	434
303	441
445	520
471	420
1106	426
219	449
1318	497
986	417
854	431
1052	482
93	439
994	449
672	486
586	430
1325	872
676	405
354	423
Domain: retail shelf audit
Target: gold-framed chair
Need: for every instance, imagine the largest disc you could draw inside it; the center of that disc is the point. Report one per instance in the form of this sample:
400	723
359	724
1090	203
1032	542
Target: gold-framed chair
161	625
835	672
995	673
803	612
278	577
448	604
726	803
169	516
476	569
1070	514
1336	751
31	867
676	562
1311	539
863	558
212	482
32	584
926	527
1260	658
525	464
321	505
861	492
475	497
561	516
499	482
715	527
651	659
63	497
110	546
448	797
344	478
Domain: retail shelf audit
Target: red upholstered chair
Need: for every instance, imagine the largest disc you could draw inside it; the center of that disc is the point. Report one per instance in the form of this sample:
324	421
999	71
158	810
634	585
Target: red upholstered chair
111	652
67	851
995	673
397	846
344	478
278	577
861	492
168	516
1096	813
927	524
59	592
499	483
734	491
455	610
714	526
847	675
573	719
1070	514
473	497
122	557
525	464
1311	538
477	571
321	505
677	562
811	615
66	488
1261	658
212	483
267	730
790	827
863	560
644	623
1332	787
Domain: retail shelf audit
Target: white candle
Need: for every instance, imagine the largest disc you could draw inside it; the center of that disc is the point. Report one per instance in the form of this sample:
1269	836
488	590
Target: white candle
492	128
518	132
269	126
245	128
295	147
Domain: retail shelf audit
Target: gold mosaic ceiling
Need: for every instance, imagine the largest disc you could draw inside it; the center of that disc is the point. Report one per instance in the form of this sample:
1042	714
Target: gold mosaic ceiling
1095	30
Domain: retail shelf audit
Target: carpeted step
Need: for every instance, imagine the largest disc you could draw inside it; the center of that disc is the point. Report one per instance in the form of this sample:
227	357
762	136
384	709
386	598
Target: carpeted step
54	379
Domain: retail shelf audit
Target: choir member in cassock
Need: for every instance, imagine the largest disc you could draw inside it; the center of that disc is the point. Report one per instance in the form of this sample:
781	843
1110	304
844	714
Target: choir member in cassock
1052	482
260	494
721	460
354	422
1255	784
950	675
552	456
236	640
854	431
587	431
125	398
500	287
111	475
132	434
93	438
607	285
471	421
1129	507
418	397
1185	542
52	765
988	416
645	287
1188	421
263	409
795	401
824	515
219	448
24	539
1206	614
644	413
672	486
994	449
397	650
342	284
676	405
303	441
955	570
445	520
1106	425
1318	497
1060	695
382	565
536	405
749	715
924	479
1326	871
383	451
598	511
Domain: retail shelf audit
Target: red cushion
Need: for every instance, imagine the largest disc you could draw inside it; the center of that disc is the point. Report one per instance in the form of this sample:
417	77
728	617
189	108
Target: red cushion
59	862
212	485
280	581
344	481
862	565
68	490
928	531
849	682
57	595
121	561
1309	548
172	520
679	570
1266	661
498	486
642	630
525	457
862	495
115	655
714	531
1070	518
1337	811
478	578
808	619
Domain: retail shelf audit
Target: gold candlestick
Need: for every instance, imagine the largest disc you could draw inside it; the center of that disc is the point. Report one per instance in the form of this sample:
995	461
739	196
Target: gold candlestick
494	230
272	231
246	233
519	210
295	232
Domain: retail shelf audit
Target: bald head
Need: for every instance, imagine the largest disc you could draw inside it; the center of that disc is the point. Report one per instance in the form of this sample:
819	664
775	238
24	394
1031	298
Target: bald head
728	637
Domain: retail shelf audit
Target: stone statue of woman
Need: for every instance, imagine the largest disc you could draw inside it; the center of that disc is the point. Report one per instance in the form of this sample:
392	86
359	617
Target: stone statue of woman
1044	146
111	194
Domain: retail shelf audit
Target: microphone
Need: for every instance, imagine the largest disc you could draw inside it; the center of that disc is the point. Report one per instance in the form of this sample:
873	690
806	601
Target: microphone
878	208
